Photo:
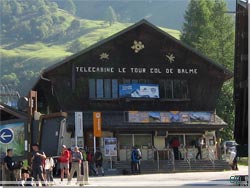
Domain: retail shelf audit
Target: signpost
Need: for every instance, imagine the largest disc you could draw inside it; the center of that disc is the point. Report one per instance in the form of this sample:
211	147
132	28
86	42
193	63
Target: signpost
6	136
79	129
97	126
110	149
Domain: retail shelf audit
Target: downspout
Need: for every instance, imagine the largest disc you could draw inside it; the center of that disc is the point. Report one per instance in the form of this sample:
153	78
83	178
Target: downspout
48	80
43	78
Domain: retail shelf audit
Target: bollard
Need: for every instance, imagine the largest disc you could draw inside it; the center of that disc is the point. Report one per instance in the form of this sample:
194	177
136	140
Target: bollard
85	179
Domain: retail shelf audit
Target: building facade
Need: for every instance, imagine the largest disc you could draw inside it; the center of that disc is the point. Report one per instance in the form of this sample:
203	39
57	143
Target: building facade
148	87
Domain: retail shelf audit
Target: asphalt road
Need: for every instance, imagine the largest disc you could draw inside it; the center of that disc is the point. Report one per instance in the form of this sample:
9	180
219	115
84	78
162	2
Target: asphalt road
190	179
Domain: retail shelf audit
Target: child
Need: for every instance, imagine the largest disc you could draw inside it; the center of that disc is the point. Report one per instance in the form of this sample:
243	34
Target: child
49	165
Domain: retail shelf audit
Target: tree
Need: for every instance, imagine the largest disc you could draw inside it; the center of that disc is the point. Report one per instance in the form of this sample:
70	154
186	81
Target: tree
197	20
111	16
10	79
210	30
75	24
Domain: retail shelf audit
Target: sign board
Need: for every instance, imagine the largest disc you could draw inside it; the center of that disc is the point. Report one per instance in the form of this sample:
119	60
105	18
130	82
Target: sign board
110	147
170	117
97	124
139	90
78	124
6	135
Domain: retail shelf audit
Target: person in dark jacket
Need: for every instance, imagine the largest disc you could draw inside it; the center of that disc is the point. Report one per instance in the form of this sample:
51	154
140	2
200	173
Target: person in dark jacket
98	161
38	158
9	166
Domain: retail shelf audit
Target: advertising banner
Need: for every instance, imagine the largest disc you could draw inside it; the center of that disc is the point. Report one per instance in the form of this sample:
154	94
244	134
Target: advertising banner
78	124
97	124
139	91
200	116
170	117
110	147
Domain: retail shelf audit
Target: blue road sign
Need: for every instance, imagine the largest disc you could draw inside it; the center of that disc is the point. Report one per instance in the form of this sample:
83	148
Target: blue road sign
6	136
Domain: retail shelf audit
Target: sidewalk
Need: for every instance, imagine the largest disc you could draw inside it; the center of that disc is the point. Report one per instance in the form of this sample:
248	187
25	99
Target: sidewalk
167	179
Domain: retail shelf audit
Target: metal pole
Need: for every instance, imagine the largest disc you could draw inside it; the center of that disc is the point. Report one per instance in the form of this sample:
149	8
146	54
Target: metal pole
94	144
86	172
111	162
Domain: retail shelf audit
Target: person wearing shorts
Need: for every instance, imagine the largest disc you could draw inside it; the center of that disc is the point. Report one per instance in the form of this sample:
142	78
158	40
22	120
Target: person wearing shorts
64	162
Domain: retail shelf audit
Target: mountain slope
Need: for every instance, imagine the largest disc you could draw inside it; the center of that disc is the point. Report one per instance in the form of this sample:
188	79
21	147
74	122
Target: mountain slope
23	58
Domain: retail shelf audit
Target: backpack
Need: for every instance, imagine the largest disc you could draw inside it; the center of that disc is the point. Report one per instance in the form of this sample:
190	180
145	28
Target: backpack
98	156
138	154
135	155
89	157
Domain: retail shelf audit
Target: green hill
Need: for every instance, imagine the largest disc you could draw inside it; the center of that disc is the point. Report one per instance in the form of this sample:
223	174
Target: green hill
42	38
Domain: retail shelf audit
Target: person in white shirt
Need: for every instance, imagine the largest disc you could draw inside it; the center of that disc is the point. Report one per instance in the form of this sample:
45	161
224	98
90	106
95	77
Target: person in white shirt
49	165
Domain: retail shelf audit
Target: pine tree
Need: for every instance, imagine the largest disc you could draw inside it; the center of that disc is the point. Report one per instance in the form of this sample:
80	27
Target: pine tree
197	20
210	30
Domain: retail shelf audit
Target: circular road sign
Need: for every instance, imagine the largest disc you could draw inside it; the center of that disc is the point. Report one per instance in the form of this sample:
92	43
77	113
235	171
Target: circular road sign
6	135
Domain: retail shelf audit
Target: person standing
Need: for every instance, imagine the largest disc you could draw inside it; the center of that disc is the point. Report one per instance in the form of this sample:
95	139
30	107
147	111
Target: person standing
90	158
49	165
98	161
139	157
199	144
175	145
64	162
76	164
135	161
9	166
37	160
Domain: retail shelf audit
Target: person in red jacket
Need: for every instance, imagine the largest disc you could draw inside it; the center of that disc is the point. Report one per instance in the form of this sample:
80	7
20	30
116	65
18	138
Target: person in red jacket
64	162
175	145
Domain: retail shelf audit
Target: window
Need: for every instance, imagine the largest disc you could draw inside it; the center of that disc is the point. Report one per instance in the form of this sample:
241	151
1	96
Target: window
103	88
174	89
114	88
107	88
92	87
99	88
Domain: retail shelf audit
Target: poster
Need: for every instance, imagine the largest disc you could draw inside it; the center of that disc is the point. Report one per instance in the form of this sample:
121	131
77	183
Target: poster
174	116
139	91
170	117
78	124
154	116
200	116
138	117
110	147
165	117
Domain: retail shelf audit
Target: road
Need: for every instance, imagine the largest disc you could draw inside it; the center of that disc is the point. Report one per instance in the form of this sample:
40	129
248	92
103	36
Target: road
168	179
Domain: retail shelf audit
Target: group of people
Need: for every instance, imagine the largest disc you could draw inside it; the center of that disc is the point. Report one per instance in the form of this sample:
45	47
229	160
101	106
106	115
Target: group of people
42	166
199	143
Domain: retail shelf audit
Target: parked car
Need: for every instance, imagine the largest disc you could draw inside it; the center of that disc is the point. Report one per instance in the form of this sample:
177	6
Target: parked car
229	146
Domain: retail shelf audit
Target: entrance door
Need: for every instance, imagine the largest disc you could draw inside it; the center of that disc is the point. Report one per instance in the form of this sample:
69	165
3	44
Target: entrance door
127	141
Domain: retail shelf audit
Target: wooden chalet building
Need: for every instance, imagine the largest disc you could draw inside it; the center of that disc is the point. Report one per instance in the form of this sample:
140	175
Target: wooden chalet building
148	86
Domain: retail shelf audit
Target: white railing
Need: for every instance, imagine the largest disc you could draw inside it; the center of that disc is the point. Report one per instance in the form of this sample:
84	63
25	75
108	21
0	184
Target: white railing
157	157
211	155
172	158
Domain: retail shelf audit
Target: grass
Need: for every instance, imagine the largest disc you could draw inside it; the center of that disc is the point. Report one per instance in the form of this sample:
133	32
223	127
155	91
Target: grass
39	55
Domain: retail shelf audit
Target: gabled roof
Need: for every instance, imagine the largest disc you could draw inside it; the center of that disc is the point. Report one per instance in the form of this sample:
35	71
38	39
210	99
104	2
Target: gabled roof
143	21
11	113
